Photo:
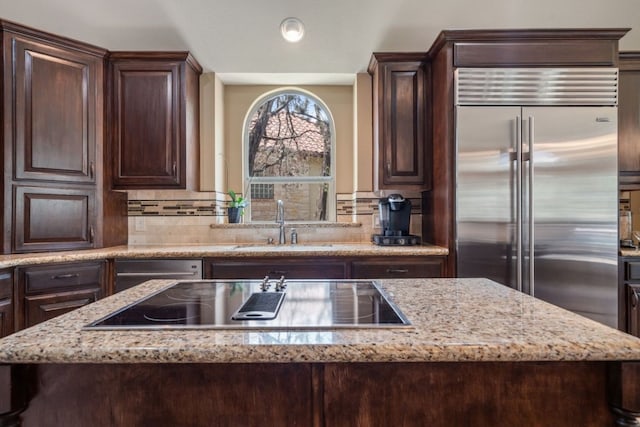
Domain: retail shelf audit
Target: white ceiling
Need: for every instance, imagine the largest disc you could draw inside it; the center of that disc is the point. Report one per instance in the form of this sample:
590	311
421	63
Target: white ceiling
240	39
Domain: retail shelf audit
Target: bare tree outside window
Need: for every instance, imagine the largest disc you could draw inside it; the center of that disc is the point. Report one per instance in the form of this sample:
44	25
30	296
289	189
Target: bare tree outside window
289	149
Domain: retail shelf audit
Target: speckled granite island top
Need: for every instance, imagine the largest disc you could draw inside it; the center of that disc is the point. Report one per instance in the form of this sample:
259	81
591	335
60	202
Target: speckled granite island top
453	320
222	250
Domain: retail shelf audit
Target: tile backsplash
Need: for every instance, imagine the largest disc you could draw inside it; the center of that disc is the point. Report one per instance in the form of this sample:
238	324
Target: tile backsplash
178	217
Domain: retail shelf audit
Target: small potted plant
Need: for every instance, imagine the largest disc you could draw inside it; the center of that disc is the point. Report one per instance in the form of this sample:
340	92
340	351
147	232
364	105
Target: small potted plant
235	210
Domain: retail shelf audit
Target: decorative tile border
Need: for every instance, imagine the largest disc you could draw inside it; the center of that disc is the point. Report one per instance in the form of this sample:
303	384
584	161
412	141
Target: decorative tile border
345	206
173	208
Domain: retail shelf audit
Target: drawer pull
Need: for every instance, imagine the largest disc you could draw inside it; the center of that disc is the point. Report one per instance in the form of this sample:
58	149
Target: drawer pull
160	274
65	276
277	273
65	305
634	299
397	270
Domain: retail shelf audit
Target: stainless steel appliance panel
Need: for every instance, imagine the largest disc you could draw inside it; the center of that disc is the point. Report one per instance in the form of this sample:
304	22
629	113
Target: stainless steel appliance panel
573	190
486	190
132	272
306	305
536	203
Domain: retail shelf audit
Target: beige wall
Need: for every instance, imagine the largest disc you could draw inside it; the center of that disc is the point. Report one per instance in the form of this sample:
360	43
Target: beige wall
239	99
363	134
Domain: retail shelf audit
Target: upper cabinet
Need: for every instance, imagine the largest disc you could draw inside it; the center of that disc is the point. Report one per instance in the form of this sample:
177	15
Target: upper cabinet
402	154
629	120
153	117
53	128
57	94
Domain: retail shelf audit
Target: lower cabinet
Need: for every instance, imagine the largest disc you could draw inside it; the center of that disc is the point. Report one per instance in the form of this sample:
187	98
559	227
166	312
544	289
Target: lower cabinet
633	309
397	268
6	302
382	267
47	291
258	268
629	285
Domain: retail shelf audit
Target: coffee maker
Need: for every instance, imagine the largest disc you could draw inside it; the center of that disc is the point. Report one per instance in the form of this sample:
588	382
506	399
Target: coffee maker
395	217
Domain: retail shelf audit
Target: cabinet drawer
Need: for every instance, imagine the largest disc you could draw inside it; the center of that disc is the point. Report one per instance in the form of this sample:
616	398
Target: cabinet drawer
632	270
40	279
39	308
311	269
396	270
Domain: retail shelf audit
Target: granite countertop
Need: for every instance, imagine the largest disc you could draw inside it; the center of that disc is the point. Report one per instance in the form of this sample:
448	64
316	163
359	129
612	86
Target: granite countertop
453	320
221	250
630	252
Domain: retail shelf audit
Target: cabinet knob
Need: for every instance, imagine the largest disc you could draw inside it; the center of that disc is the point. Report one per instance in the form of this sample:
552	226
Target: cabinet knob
175	169
277	273
92	170
91	234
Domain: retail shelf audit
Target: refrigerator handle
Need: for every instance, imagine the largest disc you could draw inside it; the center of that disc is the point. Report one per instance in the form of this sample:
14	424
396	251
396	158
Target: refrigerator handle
530	207
518	140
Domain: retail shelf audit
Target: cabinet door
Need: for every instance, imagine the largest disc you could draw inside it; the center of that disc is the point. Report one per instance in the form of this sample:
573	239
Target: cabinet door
6	303
56	96
400	122
395	268
39	308
633	310
292	269
629	121
53	219
148	147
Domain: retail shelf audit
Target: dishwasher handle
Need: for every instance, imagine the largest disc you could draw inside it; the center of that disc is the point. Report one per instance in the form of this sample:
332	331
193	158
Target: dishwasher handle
161	274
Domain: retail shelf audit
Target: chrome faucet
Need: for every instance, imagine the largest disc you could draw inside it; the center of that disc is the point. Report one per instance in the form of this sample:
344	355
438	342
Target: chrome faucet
282	239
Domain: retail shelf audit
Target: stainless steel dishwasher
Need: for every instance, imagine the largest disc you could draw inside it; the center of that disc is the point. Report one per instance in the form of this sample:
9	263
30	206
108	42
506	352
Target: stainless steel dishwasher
131	272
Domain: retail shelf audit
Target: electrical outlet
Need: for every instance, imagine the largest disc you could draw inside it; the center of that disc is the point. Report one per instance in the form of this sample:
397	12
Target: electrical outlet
139	224
375	220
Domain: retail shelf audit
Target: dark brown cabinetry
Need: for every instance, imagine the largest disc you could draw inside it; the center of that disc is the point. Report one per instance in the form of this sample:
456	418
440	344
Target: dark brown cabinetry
397	268
49	290
54	218
402	153
6	302
153	115
258	268
629	121
56	93
326	267
630	288
53	140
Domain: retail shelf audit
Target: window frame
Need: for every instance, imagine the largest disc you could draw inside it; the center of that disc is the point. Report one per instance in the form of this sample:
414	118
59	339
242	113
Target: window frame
330	180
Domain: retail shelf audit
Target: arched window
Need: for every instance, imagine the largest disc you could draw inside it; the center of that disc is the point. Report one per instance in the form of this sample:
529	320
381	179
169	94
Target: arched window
288	154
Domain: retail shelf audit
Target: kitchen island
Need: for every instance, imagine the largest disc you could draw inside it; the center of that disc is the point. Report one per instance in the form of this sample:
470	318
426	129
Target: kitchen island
477	353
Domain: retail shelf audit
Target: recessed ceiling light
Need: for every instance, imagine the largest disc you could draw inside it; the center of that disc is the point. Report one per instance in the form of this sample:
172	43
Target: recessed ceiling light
292	29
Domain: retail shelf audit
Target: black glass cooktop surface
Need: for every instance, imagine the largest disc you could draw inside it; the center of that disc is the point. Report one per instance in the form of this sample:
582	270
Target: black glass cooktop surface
258	304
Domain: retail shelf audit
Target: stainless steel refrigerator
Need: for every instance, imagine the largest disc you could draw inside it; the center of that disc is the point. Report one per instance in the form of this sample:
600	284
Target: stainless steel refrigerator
536	184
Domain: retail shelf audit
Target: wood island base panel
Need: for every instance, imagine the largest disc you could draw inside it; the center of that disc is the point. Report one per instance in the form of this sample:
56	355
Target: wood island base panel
333	394
476	354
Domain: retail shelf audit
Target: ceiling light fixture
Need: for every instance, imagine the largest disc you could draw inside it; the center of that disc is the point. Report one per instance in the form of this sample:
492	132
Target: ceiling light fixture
292	29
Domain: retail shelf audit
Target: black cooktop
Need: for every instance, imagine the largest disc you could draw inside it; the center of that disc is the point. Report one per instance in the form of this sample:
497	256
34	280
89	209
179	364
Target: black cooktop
260	304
